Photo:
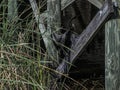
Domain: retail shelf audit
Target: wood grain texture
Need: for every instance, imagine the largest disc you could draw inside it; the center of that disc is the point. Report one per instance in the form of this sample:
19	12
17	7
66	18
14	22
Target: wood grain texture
112	55
91	30
54	15
88	34
53	24
64	4
46	34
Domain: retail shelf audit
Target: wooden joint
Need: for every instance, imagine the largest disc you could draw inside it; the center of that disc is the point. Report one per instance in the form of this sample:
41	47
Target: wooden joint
87	35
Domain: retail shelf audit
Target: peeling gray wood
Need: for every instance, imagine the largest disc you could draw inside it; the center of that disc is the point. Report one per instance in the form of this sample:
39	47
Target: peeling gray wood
46	34
91	30
112	55
54	15
40	19
53	21
87	35
64	4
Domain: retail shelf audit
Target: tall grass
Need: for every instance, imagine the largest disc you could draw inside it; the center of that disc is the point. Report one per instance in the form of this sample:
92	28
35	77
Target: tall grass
22	58
22	61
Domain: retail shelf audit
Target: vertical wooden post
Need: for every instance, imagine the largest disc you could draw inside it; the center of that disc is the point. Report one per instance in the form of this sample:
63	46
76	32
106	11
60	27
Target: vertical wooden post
53	26
54	14
54	19
46	34
112	55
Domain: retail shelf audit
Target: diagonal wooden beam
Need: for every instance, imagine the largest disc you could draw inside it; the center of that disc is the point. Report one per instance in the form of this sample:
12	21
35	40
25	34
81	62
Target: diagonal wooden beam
92	29
87	35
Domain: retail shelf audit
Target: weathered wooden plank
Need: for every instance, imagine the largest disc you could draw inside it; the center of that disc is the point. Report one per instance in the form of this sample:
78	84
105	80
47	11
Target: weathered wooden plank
64	4
40	19
54	15
89	32
112	52
112	55
46	34
54	22
91	29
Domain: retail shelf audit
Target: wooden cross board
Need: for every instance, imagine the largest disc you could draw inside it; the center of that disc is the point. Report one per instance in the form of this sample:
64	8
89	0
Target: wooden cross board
87	35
